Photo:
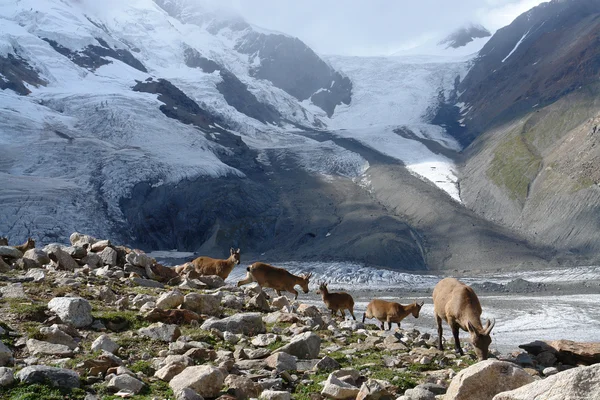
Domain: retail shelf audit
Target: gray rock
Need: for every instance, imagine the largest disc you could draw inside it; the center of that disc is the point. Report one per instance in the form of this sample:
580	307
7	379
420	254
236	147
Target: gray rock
126	382
419	393
344	373
168	372
38	347
139	259
58	377
13	291
105	343
202	303
275	395
169	300
26	264
351	325
109	256
434	388
160	331
80	239
76	251
205	380
146	283
10	252
62	259
232	301
264	339
372	390
550	371
249	324
334	388
187	394
259	302
282	362
326	363
212	281
141	299
242	387
4	267
72	310
280	302
6	355
93	260
304	345
53	334
499	376
38	275
7	376
582	383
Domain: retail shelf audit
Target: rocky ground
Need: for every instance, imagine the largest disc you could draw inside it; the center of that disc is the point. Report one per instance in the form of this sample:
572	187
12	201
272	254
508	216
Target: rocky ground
92	320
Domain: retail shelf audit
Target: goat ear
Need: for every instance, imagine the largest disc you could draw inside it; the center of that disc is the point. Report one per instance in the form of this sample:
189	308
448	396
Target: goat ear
238	251
231	250
489	326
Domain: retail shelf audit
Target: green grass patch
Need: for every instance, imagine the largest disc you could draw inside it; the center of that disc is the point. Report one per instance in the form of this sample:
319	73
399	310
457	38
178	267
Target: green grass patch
153	390
514	167
125	320
26	310
144	367
38	391
303	391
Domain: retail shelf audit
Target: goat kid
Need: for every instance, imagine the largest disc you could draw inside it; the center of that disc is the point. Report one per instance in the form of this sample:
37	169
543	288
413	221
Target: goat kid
335	302
390	312
458	304
203	266
268	276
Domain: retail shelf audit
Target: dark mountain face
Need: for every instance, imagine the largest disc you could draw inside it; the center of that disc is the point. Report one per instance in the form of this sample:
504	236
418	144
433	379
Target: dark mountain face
543	55
292	66
285	61
465	35
15	72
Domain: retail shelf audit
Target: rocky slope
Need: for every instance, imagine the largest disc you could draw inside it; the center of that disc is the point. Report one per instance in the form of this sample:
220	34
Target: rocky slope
533	142
96	320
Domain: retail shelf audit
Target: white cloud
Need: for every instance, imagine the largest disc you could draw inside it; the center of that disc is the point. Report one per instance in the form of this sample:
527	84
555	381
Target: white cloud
374	27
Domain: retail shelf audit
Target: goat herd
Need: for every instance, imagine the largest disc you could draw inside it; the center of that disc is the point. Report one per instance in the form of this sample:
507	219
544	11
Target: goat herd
453	301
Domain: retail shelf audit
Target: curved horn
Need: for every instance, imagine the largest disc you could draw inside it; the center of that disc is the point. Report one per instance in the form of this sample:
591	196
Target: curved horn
489	326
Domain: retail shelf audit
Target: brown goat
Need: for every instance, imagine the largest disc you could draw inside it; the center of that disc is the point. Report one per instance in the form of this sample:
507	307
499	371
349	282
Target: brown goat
268	276
29	244
390	311
337	301
202	266
458	304
3	241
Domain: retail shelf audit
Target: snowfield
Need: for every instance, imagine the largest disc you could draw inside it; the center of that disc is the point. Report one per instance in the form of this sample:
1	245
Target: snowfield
76	146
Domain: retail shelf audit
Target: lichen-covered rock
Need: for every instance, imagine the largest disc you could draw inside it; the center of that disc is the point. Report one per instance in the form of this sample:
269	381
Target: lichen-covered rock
13	291
6	355
202	303
335	388
169	300
486	379
582	383
305	345
10	252
108	256
275	395
242	387
249	324
72	310
160	331
205	380
61	258
282	362
58	377
104	343
37	255
126	382
38	347
53	334
7	376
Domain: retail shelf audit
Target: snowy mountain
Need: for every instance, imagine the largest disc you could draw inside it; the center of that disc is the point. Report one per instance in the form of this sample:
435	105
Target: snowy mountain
167	126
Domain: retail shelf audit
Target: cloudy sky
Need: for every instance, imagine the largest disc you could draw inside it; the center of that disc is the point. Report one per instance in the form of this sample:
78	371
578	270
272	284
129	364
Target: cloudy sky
373	27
